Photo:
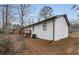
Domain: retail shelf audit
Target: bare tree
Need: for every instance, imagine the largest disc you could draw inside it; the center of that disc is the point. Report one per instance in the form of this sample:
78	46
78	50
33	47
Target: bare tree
45	12
75	24
2	13
23	13
76	8
3	18
6	17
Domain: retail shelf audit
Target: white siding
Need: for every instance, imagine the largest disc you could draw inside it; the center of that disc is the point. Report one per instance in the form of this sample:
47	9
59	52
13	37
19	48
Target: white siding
61	28
44	34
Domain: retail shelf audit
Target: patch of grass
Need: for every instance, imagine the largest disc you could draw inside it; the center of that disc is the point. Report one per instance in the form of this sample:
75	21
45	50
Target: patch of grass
1	31
6	46
23	45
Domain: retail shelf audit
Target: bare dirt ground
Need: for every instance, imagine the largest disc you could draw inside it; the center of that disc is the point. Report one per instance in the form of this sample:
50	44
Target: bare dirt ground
75	34
40	47
66	46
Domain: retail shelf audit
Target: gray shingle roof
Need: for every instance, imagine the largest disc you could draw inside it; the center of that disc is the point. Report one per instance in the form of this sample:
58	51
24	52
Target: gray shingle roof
52	18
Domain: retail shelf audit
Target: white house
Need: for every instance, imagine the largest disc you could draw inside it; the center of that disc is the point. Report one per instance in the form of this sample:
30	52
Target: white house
54	28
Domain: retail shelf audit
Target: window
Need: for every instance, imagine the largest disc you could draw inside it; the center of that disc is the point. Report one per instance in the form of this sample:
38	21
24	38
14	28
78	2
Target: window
45	26
33	28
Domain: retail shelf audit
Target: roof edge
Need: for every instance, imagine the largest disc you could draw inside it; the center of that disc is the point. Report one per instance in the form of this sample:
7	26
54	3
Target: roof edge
64	15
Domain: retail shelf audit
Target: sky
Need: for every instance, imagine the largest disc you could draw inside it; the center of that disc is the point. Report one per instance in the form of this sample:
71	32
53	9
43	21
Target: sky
58	9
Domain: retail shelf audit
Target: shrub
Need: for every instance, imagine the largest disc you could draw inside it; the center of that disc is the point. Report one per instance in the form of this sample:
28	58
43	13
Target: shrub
6	46
23	45
1	31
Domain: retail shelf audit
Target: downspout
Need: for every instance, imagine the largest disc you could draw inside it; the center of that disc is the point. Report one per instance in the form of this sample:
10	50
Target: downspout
53	29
